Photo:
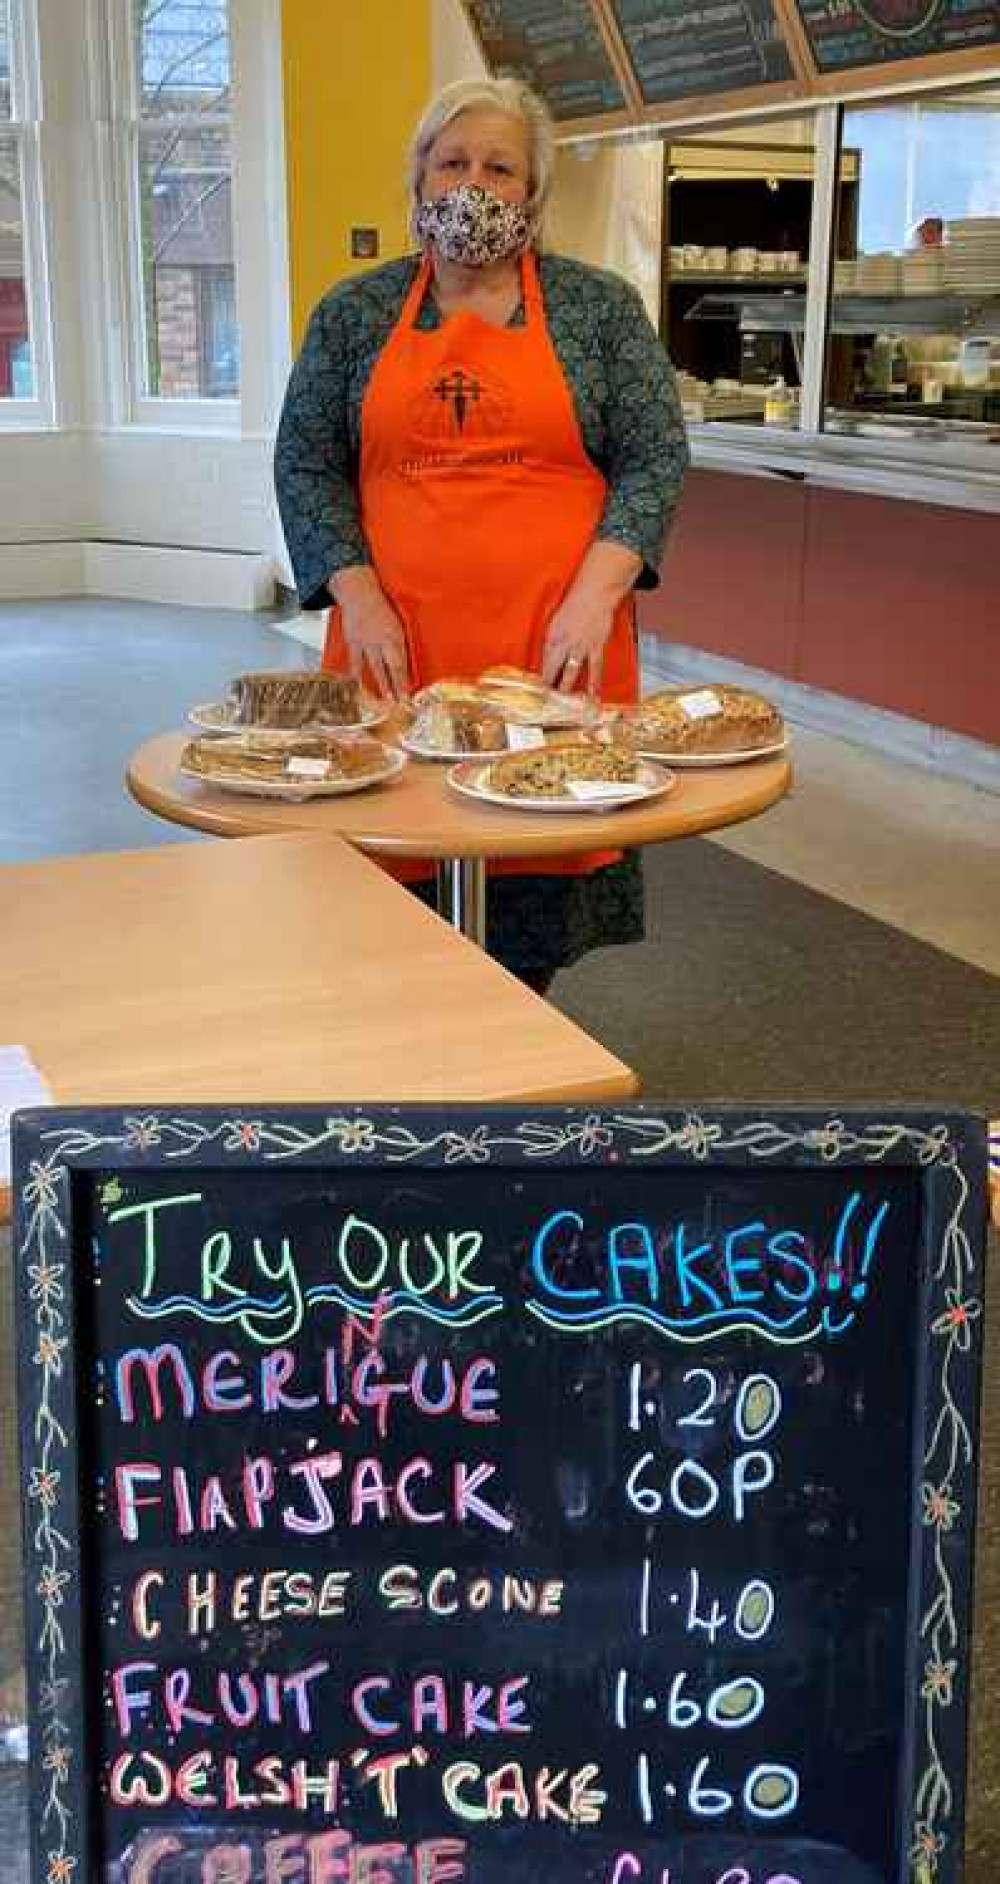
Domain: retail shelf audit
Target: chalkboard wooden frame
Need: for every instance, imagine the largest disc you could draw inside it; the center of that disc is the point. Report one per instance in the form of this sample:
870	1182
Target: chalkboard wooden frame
809	87
53	1148
620	118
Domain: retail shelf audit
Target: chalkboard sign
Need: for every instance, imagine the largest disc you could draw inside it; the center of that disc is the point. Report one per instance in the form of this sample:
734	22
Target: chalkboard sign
419	1497
846	33
556	47
719	46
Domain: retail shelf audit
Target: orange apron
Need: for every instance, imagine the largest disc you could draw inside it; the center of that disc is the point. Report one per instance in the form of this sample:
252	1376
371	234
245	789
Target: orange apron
478	504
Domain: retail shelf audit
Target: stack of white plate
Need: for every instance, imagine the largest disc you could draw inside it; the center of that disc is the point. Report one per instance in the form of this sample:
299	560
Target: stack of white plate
877	274
723	399
923	271
972	255
728	400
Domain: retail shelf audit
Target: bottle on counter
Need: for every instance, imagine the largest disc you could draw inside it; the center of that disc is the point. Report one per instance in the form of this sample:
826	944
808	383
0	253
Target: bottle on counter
899	372
779	406
880	363
974	356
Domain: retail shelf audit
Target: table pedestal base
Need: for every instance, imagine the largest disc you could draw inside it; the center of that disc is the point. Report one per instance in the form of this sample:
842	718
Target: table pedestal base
461	896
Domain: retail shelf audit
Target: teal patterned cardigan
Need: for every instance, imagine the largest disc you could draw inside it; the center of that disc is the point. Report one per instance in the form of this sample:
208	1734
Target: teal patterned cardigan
620	379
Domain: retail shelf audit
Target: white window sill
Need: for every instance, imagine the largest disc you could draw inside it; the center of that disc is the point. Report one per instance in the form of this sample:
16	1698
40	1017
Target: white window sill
190	416
16	415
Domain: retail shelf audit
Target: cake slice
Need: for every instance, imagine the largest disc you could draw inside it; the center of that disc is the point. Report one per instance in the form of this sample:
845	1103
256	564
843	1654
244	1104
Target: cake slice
547	771
291	697
440	727
478	732
255	757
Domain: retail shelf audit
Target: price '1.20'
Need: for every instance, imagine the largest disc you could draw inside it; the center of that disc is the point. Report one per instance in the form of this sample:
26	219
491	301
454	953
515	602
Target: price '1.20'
629	1870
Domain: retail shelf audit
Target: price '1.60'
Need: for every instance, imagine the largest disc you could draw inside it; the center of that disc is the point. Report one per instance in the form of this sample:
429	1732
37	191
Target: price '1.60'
770	1791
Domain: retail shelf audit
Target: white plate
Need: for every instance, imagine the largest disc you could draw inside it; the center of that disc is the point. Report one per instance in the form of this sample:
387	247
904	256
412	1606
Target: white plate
574	710
216	716
297	790
681	761
654	781
419	751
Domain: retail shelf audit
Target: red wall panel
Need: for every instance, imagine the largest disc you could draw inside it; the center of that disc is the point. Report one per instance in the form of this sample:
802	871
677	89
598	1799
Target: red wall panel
733	572
901	607
893	603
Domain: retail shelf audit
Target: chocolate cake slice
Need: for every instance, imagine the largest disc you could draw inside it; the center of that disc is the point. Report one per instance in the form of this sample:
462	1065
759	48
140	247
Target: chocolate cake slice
291	697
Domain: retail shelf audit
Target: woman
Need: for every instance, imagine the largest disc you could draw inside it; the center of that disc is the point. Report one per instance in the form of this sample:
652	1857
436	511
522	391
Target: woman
480	450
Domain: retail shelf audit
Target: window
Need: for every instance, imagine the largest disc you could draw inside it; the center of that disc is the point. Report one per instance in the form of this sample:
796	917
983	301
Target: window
18	191
915	329
181	190
737	220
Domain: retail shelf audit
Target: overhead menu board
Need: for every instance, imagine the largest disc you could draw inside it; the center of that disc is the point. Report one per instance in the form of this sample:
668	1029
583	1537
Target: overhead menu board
679	51
847	33
471	1498
556	47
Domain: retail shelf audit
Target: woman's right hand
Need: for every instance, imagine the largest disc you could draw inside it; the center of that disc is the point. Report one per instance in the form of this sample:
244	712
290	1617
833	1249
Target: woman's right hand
373	632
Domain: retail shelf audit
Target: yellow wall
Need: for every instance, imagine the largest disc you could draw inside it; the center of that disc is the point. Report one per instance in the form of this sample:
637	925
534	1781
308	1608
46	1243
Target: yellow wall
356	78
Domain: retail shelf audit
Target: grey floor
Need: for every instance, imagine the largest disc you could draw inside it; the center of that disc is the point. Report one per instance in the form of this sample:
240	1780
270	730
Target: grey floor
845	947
81	684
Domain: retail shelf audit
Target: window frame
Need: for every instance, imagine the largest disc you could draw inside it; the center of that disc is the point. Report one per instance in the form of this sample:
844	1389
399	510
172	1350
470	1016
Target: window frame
26	128
138	406
958	473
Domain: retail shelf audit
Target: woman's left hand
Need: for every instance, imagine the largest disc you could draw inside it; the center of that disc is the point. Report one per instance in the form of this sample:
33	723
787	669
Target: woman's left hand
581	626
574	645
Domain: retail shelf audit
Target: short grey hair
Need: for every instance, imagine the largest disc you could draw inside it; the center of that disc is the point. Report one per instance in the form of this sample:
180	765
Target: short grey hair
504	94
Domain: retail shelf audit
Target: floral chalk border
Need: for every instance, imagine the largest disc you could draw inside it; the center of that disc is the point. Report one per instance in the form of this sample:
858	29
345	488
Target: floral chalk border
387	1136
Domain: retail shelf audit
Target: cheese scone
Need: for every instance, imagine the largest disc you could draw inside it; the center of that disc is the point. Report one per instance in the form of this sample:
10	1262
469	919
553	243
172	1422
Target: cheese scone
547	771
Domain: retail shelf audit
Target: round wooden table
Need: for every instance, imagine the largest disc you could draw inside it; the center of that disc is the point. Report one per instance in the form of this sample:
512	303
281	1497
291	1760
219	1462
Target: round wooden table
419	815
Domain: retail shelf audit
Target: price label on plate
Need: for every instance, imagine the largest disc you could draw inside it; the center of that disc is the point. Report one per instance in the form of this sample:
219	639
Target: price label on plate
297	767
702	705
524	738
597	791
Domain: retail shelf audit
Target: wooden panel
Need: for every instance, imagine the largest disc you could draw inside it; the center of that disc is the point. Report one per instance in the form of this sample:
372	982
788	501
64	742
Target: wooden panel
901	609
732	576
277	969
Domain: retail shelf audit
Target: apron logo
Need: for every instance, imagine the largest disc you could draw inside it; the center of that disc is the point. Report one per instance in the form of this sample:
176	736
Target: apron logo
459	390
460	407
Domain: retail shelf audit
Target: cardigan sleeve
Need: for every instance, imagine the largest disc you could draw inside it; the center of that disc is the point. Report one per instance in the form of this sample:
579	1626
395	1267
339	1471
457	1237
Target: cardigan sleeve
645	444
314	461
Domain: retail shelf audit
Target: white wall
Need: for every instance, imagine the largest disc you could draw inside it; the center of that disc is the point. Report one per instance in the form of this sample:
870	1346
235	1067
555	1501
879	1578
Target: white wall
93	473
455	51
606	207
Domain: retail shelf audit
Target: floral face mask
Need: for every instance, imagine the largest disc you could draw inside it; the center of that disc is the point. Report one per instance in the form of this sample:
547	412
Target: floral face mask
471	225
